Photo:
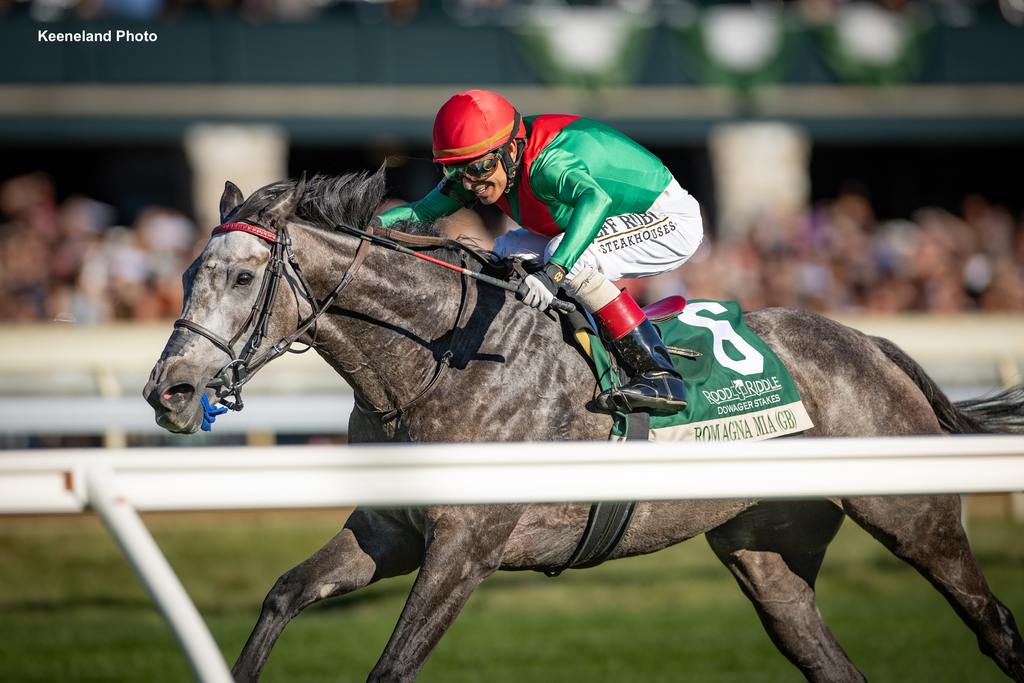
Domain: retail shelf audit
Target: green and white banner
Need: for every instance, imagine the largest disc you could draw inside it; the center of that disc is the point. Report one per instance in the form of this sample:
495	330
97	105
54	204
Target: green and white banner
583	46
865	43
739	45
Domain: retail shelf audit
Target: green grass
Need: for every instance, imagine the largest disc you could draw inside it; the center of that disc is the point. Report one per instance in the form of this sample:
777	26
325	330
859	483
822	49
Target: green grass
71	610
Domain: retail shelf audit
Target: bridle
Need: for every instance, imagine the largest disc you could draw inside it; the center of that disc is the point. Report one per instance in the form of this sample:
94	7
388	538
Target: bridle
243	366
240	369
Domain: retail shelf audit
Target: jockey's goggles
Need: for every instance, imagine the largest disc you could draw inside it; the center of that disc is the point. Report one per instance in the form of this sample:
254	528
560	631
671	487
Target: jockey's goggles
478	169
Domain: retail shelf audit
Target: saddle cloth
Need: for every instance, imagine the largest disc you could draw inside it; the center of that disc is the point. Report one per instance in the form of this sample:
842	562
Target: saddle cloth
737	388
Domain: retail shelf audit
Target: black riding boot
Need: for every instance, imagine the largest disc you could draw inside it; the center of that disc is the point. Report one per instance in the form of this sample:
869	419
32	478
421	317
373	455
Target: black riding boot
654	384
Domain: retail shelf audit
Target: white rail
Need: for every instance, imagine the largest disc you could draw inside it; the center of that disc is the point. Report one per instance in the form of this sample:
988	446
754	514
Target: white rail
317	476
116	483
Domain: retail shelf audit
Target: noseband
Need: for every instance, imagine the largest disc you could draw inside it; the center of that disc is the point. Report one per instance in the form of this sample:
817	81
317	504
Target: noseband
229	379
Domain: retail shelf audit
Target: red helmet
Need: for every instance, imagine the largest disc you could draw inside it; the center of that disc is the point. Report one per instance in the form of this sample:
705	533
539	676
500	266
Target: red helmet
472	123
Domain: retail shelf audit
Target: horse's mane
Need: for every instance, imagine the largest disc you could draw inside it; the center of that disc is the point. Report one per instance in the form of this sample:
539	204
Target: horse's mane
348	199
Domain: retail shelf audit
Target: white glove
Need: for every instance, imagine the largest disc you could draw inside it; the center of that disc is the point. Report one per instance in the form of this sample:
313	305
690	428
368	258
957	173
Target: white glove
535	293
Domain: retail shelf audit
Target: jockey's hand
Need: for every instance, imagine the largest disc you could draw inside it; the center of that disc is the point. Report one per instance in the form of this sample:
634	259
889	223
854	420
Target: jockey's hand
538	289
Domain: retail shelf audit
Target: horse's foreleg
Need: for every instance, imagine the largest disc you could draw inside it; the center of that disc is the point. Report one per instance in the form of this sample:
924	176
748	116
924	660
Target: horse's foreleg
368	548
464	546
925	532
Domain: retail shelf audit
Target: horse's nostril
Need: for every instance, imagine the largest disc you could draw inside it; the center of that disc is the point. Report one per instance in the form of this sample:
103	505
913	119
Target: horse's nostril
178	392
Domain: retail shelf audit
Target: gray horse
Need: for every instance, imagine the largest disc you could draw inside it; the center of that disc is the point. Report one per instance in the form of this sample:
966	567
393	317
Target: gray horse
512	377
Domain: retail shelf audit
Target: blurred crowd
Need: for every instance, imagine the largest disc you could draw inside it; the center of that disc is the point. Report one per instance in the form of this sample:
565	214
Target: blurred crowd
70	260
838	257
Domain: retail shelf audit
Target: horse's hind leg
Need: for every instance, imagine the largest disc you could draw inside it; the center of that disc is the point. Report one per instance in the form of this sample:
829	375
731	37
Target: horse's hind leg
368	548
774	551
925	531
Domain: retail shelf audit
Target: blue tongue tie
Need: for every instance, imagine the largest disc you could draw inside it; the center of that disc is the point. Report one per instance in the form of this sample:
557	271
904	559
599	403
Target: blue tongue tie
210	413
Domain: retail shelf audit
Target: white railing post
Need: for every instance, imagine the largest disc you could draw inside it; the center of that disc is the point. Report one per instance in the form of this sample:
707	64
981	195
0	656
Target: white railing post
156	575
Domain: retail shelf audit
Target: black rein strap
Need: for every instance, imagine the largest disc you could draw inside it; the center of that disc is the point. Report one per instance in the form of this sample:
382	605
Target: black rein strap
443	363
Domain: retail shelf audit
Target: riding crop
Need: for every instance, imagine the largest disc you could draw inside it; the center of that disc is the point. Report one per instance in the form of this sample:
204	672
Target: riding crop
557	304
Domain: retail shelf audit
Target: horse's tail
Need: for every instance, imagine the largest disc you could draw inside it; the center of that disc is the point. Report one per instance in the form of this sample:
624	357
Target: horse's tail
1001	413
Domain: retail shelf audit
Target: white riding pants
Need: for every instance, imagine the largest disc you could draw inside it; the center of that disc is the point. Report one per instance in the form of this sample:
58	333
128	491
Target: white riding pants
627	246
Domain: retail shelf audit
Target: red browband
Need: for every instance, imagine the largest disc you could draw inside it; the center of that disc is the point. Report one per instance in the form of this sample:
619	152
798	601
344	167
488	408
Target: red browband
262	233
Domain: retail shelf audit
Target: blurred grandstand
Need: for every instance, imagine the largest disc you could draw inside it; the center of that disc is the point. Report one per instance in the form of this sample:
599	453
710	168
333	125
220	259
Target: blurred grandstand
69	261
852	158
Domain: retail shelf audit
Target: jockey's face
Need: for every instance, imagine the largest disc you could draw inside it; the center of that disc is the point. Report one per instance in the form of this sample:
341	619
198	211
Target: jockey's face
489	190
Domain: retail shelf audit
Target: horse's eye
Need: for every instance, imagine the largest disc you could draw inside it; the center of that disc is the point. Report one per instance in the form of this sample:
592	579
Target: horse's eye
244	279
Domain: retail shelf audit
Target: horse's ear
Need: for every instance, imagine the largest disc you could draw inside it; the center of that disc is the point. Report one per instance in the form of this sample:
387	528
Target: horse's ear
284	206
230	200
300	187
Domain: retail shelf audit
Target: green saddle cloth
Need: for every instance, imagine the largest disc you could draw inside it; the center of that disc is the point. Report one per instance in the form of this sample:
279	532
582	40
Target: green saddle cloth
737	388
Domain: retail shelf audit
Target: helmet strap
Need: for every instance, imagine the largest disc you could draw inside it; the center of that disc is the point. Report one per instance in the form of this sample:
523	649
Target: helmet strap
512	165
511	168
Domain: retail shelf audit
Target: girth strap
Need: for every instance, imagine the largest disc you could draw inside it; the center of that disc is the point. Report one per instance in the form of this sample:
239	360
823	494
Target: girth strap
606	525
607	522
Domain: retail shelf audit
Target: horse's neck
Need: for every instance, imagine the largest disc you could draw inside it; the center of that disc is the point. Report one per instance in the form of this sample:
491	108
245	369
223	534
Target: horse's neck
511	377
390	325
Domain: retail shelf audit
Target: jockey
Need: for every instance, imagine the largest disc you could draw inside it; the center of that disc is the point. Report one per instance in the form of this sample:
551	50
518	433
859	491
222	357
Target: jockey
596	207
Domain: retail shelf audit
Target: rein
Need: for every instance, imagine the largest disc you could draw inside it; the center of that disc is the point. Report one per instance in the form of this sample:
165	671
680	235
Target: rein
443	363
230	379
389	240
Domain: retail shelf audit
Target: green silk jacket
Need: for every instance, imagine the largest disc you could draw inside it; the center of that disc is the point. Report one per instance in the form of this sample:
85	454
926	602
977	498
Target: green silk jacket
574	174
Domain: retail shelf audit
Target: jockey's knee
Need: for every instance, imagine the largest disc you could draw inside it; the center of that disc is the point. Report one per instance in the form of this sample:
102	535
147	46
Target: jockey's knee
591	288
519	244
